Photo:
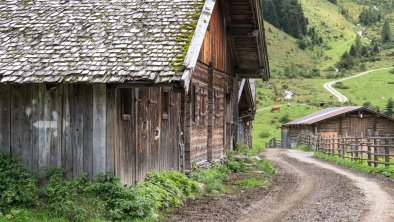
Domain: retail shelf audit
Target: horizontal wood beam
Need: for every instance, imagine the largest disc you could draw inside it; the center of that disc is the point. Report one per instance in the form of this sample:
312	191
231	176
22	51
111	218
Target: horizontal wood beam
249	71
243	32
251	76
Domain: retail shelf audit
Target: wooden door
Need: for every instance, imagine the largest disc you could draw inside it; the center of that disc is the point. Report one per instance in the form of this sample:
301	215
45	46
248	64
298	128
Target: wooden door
126	160
358	127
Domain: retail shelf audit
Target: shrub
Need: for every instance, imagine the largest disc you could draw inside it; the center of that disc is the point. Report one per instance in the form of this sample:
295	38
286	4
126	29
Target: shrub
241	148
284	119
236	166
340	85
121	203
213	178
17	185
265	166
265	134
67	198
169	189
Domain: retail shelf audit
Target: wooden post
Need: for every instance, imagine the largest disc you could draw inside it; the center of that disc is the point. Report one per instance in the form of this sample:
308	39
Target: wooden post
369	152
375	152
357	149
386	153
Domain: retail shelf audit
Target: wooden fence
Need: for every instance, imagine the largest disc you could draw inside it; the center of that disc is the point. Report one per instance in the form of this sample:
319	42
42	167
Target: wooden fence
375	151
273	143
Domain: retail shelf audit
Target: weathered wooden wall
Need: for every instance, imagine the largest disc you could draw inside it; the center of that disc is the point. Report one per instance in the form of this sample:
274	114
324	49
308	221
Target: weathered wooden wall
91	128
216	48
352	125
348	125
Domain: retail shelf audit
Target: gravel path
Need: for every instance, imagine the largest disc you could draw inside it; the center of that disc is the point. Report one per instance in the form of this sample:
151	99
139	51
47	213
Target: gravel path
340	96
305	189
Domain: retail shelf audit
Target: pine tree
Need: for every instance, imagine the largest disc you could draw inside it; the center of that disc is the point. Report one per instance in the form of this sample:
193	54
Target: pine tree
353	51
386	32
390	107
358	45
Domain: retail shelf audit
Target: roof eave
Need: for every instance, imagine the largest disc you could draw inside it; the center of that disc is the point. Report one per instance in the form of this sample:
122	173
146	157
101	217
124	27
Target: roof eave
193	52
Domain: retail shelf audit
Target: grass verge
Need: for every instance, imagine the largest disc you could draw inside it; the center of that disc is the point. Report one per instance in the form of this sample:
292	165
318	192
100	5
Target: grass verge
105	198
357	165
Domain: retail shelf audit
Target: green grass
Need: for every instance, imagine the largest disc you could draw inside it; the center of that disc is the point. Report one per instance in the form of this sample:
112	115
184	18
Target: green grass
338	34
356	165
251	182
305	148
371	87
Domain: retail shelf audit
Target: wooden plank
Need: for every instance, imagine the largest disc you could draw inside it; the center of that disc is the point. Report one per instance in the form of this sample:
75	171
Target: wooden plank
87	128
99	129
35	133
111	130
16	120
77	122
43	154
54	103
5	119
67	131
25	107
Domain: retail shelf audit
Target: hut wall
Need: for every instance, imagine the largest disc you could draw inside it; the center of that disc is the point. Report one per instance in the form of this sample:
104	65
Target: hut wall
207	123
294	131
91	128
385	126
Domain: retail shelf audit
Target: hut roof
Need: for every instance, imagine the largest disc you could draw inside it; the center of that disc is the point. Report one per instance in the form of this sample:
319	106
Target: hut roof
330	113
119	41
95	41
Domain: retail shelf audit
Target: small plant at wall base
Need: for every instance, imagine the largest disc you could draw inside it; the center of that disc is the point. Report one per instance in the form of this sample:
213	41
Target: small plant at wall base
17	185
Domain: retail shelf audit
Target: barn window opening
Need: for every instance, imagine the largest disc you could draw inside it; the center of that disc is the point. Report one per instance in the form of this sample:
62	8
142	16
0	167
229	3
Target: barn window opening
166	103
193	103
217	106
126	100
203	107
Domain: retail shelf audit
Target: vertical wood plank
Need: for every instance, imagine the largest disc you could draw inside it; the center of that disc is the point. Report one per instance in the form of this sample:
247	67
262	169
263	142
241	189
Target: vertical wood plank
111	130
35	133
5	119
54	123
43	154
16	119
67	131
88	129
99	129
77	123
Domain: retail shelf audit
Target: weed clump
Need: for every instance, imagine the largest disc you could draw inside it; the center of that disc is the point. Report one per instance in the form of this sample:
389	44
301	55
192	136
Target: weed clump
340	85
17	185
213	178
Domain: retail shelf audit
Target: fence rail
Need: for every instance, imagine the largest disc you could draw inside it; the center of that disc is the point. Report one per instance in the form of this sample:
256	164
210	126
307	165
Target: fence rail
374	151
273	143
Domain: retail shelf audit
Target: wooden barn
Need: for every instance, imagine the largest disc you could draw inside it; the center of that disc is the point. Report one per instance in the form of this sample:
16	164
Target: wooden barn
353	121
126	86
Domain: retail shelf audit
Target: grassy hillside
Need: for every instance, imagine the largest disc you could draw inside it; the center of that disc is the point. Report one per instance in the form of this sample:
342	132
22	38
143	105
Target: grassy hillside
338	25
370	88
283	49
338	33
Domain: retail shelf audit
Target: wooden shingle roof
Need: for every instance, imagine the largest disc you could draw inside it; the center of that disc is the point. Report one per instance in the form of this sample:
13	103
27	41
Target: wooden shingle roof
94	41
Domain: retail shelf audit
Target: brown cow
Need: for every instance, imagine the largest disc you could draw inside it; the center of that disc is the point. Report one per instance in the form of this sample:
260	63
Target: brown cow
275	108
278	100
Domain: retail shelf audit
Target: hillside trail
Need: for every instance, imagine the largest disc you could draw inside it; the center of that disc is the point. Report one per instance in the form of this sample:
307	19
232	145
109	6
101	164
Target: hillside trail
342	98
375	203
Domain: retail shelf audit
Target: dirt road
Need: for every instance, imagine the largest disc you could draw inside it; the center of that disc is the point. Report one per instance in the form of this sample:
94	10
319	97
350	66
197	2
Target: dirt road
340	96
305	189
